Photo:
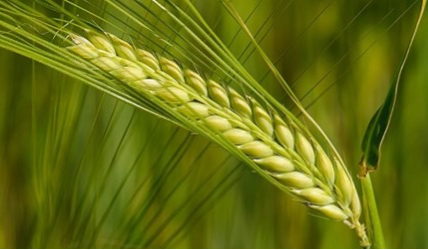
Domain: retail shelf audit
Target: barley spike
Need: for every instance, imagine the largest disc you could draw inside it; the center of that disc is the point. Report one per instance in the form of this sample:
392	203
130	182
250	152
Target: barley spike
286	152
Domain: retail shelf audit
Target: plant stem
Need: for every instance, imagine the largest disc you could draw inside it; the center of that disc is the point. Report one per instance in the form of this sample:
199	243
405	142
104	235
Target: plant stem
374	226
373	223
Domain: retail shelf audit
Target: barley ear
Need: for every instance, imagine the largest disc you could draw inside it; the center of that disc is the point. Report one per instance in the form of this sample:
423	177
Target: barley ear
284	152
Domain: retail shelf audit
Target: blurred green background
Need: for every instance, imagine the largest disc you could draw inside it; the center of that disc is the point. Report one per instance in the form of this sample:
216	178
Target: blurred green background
78	168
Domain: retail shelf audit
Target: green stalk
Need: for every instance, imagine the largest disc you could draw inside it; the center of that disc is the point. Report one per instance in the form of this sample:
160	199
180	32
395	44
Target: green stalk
373	223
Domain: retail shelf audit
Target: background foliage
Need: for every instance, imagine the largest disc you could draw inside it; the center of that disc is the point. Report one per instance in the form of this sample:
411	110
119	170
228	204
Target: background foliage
79	168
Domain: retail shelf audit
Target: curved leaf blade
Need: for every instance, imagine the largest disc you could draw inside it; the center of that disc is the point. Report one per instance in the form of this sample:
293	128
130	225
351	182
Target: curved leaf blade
379	123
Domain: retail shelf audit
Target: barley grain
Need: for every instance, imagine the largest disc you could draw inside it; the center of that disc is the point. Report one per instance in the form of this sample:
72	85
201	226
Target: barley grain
275	164
238	136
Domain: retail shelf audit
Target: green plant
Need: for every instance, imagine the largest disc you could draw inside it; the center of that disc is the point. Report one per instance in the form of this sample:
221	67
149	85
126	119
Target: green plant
238	114
285	150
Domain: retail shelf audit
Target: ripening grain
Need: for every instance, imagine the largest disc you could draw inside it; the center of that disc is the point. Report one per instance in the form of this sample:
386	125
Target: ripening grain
282	149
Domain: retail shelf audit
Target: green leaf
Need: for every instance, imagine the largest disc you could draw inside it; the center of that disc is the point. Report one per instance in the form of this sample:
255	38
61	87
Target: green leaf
379	124
376	131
